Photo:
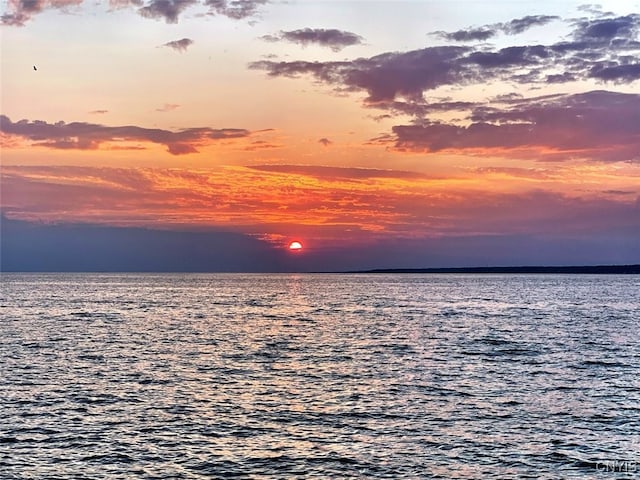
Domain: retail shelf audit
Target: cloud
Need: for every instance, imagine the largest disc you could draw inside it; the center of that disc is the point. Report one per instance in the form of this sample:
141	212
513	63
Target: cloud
517	172
98	112
486	32
604	49
168	107
325	141
179	45
90	136
600	125
384	76
169	10
21	11
618	73
336	40
519	25
470	35
333	173
238	9
607	28
259	145
332	206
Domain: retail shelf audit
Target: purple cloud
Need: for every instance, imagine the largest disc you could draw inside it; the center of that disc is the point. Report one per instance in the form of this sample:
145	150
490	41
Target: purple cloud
486	32
169	10
384	76
469	35
238	9
89	136
336	40
21	11
617	73
519	25
607	28
604	49
599	125
179	45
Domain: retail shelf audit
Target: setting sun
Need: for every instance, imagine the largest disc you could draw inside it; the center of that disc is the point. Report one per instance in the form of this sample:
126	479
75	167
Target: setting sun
295	246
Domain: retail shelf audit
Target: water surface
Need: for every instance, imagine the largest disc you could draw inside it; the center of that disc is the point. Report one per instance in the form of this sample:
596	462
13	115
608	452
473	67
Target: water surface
319	376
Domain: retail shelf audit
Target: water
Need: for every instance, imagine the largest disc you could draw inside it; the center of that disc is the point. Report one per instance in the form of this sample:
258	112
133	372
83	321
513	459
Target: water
319	376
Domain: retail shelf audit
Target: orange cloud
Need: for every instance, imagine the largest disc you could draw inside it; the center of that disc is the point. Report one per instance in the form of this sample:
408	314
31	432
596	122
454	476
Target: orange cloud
329	208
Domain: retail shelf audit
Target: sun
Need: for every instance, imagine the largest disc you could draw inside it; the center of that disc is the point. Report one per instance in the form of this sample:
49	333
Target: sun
295	246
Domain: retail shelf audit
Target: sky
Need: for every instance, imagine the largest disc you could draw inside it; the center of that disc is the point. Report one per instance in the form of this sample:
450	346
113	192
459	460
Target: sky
202	135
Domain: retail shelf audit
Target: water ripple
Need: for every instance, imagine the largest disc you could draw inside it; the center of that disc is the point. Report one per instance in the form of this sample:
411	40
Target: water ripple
319	376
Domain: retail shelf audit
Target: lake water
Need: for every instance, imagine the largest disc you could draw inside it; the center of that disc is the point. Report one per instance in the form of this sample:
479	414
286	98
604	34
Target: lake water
319	376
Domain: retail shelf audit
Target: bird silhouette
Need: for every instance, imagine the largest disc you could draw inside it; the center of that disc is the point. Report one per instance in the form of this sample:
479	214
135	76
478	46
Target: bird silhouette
34	67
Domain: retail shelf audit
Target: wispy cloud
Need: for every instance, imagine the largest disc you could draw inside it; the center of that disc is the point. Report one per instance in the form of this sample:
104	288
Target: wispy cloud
486	32
90	136
98	112
259	145
519	25
345	173
325	142
334	39
168	107
179	45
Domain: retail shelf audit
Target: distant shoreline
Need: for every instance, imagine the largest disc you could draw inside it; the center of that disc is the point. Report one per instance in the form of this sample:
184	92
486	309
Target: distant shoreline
595	270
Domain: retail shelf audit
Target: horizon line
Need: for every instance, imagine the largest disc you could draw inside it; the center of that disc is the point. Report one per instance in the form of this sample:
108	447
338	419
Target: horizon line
626	269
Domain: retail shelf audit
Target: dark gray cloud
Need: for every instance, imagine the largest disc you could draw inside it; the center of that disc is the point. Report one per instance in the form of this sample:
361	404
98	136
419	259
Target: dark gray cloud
617	73
607	28
470	35
89	136
519	25
169	10
179	45
325	141
336	40
21	11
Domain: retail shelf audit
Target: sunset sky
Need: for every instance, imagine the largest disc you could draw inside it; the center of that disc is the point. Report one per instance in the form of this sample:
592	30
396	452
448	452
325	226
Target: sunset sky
378	133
